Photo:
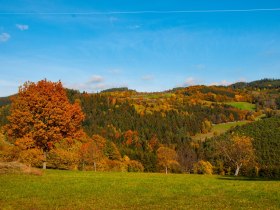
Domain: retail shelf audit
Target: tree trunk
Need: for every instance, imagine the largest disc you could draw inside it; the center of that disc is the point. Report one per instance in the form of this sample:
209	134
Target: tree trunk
45	161
165	170
94	166
237	169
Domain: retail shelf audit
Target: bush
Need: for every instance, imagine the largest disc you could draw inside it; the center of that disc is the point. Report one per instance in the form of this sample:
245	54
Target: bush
115	165
63	159
134	166
270	172
31	157
203	167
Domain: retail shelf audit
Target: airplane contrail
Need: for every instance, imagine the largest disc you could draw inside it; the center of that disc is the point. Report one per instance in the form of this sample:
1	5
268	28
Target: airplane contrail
141	12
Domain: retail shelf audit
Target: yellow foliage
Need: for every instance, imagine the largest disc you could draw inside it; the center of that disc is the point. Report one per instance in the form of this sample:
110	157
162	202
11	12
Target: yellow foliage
203	167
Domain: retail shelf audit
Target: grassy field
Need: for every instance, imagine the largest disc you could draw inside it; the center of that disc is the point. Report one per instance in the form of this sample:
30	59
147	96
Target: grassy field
243	105
96	190
219	129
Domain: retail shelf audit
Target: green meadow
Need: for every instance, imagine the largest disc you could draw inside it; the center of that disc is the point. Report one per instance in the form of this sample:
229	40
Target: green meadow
99	190
219	129
242	105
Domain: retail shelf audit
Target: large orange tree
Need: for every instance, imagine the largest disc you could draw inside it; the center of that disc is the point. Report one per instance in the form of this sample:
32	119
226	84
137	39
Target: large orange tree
41	111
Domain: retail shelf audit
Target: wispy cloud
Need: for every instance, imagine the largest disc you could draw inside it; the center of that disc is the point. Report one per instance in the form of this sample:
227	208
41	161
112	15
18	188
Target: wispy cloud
223	83
114	71
190	81
95	79
134	27
22	27
147	78
94	83
4	37
226	83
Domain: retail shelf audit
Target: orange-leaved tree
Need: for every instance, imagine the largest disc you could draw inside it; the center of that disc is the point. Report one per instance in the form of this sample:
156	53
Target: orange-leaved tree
41	111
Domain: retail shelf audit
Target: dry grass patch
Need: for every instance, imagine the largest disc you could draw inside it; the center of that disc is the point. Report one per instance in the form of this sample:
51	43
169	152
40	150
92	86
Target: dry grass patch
18	168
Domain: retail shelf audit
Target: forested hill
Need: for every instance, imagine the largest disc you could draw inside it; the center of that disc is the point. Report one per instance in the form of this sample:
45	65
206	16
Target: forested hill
136	125
266	141
261	84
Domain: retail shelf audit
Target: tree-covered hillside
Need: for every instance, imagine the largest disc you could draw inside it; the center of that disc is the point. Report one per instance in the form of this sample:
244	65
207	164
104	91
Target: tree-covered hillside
266	141
126	130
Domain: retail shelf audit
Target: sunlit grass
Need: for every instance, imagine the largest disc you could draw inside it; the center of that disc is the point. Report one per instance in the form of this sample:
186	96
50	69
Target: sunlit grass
242	105
96	190
218	129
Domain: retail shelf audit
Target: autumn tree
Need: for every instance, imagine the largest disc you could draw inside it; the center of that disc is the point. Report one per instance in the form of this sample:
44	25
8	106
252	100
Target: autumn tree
92	151
166	158
238	150
42	112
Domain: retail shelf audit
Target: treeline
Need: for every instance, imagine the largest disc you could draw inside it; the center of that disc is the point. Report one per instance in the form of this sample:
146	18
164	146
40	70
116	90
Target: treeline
258	84
214	93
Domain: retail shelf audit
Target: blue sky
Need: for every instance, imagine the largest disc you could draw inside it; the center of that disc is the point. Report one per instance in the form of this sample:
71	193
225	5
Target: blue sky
94	45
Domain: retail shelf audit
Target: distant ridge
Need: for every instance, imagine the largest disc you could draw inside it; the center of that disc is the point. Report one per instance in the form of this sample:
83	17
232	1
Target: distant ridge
119	89
263	83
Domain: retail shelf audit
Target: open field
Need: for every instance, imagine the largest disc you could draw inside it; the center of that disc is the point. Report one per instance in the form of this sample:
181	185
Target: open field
242	105
219	129
96	190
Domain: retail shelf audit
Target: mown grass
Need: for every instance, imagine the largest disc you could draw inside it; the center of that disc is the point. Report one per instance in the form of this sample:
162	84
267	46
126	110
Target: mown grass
96	190
242	105
219	129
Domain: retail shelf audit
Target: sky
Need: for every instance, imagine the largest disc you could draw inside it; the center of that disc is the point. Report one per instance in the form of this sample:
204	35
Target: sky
153	45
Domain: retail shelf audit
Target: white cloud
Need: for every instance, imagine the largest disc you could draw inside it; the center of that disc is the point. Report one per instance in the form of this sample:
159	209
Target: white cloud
223	82
115	71
147	78
100	86
242	79
190	81
226	83
4	37
95	83
22	27
95	79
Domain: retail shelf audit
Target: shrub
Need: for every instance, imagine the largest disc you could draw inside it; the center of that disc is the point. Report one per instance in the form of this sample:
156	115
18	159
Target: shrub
63	159
134	166
115	165
203	167
31	157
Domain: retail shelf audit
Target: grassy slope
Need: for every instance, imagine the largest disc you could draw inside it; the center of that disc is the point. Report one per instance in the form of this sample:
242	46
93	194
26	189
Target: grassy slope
242	105
219	129
89	190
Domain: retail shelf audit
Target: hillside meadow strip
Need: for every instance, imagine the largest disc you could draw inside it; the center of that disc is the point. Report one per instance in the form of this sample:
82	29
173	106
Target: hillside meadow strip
57	189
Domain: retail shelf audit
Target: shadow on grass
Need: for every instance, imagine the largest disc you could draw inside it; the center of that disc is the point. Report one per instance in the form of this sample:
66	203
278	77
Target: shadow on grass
242	178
